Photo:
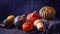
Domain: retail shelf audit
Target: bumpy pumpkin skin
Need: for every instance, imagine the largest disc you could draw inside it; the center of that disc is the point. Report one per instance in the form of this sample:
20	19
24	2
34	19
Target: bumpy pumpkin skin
11	17
17	21
47	12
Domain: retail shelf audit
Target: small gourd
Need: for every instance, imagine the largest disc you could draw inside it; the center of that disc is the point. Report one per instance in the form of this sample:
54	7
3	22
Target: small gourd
9	21
18	21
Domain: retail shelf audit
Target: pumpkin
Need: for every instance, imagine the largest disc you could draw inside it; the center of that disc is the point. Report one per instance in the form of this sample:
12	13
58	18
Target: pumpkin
11	17
39	25
47	12
23	17
9	21
19	20
32	16
27	26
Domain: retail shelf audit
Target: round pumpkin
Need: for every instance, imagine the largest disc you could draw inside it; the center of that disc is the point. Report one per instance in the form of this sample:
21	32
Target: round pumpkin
17	21
11	17
33	16
47	12
39	25
27	26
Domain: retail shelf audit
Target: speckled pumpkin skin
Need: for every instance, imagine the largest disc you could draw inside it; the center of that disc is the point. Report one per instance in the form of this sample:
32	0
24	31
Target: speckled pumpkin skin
47	12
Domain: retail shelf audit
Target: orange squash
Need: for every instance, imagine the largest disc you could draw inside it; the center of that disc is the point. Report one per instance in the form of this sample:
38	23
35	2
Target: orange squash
27	26
33	16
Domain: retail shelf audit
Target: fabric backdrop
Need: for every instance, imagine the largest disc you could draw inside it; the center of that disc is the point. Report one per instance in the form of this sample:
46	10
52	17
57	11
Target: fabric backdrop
19	7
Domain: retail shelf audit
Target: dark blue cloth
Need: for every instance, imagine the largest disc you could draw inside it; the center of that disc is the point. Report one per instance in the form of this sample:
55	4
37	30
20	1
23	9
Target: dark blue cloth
19	7
50	27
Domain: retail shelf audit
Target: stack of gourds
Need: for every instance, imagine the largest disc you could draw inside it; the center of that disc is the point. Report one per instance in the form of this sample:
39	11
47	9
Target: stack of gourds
32	20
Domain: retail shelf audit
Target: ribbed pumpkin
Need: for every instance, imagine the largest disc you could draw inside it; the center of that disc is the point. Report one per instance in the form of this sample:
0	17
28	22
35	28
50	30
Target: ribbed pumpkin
47	12
17	21
32	16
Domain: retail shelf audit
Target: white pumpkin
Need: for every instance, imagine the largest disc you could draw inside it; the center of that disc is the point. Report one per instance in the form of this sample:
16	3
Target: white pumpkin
39	25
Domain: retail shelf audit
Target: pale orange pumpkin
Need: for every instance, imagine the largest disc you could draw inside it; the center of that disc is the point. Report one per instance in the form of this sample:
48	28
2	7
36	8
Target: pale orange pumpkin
47	12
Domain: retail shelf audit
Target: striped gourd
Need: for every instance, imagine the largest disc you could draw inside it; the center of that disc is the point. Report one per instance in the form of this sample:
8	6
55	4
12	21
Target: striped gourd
47	12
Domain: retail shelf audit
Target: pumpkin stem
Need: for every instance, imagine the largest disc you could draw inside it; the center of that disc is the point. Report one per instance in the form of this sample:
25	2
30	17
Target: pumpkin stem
34	12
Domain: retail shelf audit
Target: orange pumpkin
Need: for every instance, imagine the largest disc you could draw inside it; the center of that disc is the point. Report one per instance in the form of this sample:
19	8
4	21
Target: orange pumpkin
33	16
27	26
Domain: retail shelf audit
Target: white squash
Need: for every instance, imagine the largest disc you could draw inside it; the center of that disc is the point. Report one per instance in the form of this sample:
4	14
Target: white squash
39	25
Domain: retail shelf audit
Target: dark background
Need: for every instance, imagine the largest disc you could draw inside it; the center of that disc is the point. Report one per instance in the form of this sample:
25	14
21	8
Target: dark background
19	7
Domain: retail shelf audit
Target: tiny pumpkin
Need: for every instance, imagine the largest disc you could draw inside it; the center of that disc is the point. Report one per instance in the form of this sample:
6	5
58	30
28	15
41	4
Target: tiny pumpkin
47	12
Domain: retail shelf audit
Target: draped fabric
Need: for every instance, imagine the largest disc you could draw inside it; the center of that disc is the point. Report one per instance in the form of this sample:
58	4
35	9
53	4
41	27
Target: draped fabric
19	7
